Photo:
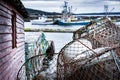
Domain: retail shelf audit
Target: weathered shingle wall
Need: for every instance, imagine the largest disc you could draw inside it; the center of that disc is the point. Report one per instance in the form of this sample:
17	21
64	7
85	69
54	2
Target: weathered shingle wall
11	59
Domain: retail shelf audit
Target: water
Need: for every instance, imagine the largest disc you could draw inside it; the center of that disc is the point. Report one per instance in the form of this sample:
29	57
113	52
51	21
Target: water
60	39
73	27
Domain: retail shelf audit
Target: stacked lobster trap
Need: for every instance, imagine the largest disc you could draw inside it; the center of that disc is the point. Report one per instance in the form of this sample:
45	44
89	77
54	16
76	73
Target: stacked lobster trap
93	54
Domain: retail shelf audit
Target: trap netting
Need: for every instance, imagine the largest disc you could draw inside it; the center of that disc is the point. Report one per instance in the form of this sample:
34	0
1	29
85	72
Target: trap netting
92	55
38	67
40	60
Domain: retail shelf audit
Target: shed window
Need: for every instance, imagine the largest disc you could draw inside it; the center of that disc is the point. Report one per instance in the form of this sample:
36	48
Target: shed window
14	30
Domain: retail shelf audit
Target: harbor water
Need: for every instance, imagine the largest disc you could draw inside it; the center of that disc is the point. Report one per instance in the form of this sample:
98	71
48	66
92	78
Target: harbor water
60	39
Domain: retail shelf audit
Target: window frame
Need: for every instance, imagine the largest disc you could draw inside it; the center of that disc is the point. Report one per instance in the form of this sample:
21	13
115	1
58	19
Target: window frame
14	42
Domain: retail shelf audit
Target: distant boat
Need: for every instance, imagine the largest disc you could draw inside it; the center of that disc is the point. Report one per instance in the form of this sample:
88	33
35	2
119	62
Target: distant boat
68	19
43	20
61	22
117	22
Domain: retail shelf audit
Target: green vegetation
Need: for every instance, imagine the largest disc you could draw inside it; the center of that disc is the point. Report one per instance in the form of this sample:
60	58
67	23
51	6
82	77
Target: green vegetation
49	30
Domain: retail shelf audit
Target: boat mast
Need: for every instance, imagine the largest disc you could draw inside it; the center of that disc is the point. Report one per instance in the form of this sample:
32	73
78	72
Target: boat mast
106	8
65	10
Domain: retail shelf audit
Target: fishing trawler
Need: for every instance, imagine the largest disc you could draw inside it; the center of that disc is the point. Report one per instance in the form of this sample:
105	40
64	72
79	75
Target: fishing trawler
68	19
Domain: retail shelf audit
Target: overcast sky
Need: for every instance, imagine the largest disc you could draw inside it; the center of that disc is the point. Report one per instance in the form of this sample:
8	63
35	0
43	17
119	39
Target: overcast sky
79	6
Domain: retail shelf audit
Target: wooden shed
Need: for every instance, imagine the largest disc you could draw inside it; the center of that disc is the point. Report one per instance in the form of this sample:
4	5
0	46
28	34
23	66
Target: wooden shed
12	44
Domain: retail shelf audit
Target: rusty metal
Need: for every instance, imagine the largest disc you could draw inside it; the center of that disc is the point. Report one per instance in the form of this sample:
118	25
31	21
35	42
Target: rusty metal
77	60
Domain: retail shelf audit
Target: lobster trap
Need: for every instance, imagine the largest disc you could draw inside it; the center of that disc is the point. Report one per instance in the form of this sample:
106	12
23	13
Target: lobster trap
38	67
93	54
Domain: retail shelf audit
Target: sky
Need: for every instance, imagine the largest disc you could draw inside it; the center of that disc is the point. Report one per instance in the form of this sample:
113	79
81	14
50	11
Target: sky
78	6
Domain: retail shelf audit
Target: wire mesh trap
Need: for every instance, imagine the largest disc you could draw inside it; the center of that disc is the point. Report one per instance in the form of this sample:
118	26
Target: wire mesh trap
31	68
93	54
38	67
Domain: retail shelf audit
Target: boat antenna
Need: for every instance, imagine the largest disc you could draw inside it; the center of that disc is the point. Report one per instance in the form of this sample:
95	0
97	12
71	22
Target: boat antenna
106	10
112	9
65	6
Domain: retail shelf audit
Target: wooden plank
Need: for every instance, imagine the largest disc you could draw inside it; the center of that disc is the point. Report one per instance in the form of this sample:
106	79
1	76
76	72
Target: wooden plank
11	8
0	77
19	21
22	60
4	60
20	30
5	14
5	52
20	40
5	37
20	44
7	71
13	76
19	36
20	18
5	65
17	57
5	9
17	65
19	25
5	29
5	21
6	5
18	50
9	58
19	61
5	45
6	74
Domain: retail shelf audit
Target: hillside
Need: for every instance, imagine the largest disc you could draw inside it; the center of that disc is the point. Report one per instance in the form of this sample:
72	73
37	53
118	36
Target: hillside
32	11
